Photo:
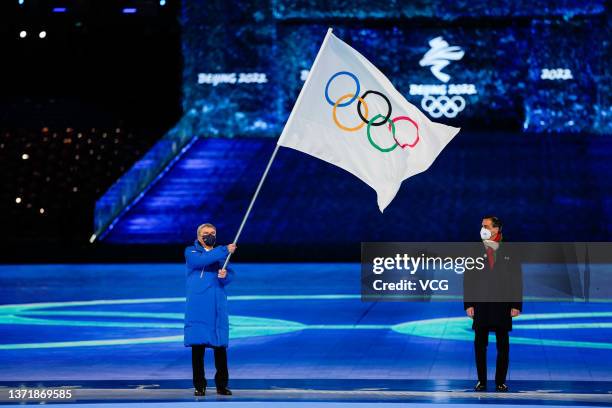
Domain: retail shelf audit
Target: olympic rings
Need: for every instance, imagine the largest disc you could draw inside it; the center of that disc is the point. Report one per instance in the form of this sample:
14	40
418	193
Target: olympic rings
392	125
332	78
443	105
349	95
386	117
377	120
403	146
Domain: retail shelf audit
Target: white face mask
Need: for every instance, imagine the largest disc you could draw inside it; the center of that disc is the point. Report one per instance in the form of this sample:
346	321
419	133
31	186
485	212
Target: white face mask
485	233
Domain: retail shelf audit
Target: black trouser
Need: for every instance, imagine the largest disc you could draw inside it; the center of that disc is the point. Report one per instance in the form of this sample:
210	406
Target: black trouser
481	341
197	363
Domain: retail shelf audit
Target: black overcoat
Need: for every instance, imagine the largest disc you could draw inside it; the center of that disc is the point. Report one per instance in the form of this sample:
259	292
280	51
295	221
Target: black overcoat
494	292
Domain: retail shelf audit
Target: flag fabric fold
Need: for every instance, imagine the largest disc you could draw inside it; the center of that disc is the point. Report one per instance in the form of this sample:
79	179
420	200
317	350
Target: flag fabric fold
350	115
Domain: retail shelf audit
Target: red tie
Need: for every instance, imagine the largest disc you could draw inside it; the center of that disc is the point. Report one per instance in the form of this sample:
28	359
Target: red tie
491	257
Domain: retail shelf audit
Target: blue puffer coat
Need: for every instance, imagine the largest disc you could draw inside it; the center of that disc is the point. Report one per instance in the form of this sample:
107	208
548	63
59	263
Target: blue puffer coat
206	315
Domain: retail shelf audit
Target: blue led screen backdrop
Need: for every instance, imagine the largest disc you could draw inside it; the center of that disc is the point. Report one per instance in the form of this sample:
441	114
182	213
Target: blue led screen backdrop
503	65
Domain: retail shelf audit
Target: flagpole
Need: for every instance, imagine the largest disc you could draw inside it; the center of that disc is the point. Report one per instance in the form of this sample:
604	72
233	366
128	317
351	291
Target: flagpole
263	177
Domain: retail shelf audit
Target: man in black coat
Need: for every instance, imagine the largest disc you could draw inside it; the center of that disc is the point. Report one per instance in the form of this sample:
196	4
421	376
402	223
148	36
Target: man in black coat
492	297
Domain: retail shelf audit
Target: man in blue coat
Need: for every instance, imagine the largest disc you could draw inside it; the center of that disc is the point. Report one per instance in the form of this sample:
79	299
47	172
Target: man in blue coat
206	315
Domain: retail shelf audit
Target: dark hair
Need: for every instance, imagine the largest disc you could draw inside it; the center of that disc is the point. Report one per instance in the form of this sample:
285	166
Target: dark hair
494	220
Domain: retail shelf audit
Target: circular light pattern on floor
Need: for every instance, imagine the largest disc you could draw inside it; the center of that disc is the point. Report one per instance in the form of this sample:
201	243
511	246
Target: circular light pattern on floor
51	313
457	328
446	328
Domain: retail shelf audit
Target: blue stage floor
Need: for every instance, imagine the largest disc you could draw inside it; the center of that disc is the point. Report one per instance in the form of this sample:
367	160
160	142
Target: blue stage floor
290	324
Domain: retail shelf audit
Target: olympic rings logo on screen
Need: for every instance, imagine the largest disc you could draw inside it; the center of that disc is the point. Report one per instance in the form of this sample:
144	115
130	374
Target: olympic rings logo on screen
443	105
363	113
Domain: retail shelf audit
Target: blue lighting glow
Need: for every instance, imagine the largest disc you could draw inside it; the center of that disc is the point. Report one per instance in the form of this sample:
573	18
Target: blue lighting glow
92	321
447	328
129	10
455	328
529	76
240	326
59	9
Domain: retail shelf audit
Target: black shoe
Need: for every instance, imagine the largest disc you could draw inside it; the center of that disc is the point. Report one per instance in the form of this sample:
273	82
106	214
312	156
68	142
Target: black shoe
501	388
199	393
224	391
480	387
